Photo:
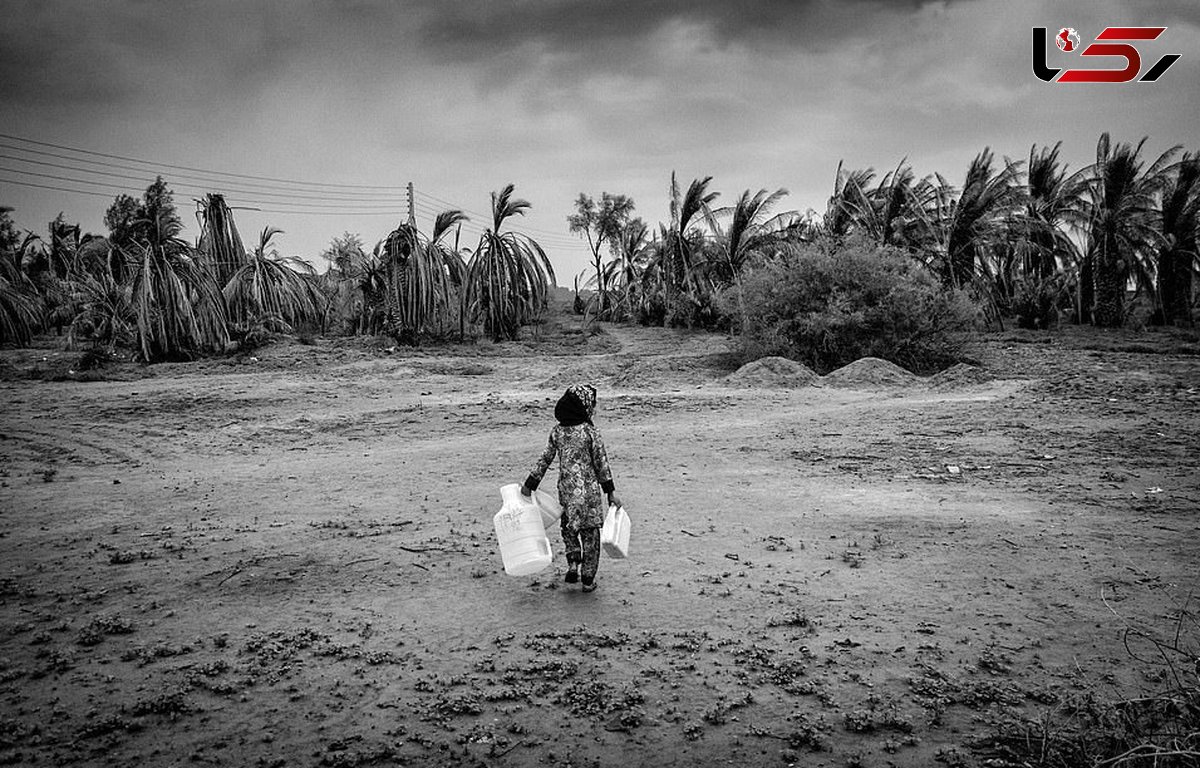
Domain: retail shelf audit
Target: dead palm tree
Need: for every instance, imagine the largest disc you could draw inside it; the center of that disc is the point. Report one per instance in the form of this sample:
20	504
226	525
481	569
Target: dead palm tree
269	292
220	246
508	277
422	276
177	303
1123	223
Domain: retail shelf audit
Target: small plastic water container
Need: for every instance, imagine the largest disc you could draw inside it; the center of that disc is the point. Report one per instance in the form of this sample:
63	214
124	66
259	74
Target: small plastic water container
548	504
524	546
614	534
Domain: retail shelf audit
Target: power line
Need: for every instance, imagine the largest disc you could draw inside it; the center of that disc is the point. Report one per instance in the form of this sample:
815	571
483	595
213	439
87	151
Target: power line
256	187
334	205
488	218
337	197
198	170
56	189
565	241
233	203
558	241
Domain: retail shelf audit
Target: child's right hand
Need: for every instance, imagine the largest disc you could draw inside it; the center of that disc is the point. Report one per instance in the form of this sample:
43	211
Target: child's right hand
525	491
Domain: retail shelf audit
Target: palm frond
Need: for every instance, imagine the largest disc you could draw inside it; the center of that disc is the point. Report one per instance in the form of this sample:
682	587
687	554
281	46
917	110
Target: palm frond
444	221
505	207
18	309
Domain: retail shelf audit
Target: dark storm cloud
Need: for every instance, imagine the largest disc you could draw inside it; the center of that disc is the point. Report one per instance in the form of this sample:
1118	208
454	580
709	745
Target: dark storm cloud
70	53
80	53
472	30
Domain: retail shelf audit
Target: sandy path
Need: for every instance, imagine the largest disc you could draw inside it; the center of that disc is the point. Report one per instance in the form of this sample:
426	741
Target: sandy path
292	563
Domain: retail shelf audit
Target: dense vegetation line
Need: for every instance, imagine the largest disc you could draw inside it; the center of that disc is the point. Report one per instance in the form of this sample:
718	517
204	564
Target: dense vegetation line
1024	241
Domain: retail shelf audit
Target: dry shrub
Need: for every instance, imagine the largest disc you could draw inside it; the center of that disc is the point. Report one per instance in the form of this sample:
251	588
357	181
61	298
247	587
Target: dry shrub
827	307
1140	729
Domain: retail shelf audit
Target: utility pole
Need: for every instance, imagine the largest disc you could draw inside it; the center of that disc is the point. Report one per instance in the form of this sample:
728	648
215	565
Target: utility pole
412	209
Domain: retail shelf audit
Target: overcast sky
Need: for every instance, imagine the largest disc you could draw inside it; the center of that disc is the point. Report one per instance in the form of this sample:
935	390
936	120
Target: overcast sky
556	96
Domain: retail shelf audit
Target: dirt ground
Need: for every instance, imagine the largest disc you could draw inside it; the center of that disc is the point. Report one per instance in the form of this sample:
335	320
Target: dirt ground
288	559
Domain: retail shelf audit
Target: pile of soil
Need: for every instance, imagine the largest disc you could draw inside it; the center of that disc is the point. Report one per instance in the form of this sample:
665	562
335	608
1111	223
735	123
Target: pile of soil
773	372
870	372
667	372
592	371
959	375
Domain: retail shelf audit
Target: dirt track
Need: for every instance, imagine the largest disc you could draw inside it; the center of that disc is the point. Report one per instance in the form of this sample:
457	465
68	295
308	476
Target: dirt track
289	560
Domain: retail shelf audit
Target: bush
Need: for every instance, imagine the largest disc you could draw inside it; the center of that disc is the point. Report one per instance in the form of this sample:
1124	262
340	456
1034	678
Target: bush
1037	303
827	307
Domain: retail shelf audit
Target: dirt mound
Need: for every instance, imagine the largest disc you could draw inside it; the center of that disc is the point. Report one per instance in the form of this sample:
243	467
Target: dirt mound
959	375
597	372
870	372
777	372
650	372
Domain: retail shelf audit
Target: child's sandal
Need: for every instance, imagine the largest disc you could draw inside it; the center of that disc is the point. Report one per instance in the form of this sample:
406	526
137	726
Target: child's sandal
588	585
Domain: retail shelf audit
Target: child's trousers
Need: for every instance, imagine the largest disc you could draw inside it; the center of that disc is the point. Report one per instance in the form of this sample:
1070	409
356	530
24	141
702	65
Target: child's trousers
583	547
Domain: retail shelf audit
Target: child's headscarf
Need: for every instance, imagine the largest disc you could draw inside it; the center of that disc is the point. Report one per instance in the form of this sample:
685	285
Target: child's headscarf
576	406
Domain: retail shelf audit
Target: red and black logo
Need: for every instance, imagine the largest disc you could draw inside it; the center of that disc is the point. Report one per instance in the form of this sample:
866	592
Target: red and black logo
1113	42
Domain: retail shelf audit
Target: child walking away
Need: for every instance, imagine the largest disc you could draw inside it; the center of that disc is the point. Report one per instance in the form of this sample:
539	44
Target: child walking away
583	473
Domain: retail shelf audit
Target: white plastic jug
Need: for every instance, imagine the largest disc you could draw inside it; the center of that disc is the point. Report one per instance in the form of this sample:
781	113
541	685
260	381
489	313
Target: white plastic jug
614	534
524	546
548	504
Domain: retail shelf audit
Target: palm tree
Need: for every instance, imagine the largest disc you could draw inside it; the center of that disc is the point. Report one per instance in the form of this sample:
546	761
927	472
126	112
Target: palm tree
508	277
1179	250
750	225
623	274
1052	204
177	304
64	247
422	276
961	229
372	284
220	245
105	315
18	304
895	205
270	292
681	264
1123	223
849	202
750	228
339	284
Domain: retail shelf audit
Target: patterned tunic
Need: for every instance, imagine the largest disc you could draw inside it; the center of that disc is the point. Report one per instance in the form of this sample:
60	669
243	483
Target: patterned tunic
583	472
